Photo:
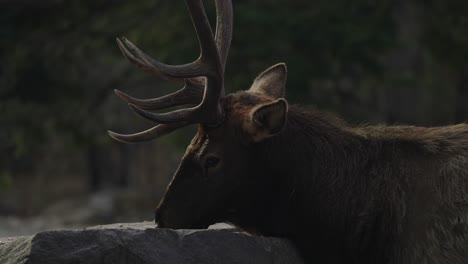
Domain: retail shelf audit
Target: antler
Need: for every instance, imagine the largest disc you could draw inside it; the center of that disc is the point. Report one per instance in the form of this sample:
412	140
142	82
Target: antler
204	78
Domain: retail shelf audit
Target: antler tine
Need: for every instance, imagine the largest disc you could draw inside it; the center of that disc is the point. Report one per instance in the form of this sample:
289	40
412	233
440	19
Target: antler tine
208	48
224	25
191	93
147	135
191	115
141	59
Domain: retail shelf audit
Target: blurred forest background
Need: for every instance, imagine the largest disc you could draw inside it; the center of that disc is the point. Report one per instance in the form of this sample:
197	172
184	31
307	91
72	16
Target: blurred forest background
388	61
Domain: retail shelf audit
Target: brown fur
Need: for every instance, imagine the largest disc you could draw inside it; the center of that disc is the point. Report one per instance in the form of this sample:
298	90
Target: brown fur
342	194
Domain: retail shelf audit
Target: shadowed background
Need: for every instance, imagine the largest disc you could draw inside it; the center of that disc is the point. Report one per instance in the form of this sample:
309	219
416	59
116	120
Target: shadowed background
394	62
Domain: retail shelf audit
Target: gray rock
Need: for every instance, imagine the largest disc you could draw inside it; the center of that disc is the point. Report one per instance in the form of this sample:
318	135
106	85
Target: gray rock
143	243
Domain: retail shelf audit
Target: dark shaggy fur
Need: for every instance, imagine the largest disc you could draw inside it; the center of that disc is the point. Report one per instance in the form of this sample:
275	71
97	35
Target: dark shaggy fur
363	195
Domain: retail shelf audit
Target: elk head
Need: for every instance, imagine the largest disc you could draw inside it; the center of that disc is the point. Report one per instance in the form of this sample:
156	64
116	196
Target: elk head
220	169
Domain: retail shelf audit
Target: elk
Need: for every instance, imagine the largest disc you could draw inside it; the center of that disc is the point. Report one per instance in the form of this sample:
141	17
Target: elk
341	194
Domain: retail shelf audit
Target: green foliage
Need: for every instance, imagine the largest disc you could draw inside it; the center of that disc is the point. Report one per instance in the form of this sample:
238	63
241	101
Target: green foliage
445	30
5	181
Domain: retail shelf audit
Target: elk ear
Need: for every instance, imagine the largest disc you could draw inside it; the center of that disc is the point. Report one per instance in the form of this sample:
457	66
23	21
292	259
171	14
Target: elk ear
271	82
267	120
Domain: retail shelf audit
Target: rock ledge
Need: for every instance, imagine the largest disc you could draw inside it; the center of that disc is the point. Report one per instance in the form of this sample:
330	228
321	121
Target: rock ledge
143	243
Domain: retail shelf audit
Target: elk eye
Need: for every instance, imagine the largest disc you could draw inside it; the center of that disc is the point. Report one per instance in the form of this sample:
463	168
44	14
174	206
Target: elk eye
211	162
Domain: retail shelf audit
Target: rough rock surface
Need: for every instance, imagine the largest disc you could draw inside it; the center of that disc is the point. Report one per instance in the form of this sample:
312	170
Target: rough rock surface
143	243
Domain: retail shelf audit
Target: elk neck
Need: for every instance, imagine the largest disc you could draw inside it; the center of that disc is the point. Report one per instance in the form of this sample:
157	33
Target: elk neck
316	150
315	167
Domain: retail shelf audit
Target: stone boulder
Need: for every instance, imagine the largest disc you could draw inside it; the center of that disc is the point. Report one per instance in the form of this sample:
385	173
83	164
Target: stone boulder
143	243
